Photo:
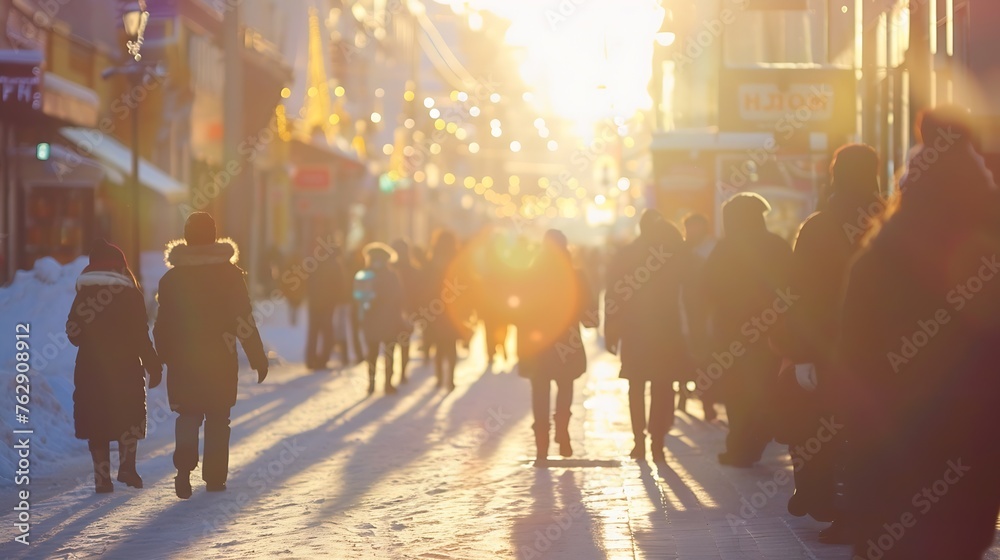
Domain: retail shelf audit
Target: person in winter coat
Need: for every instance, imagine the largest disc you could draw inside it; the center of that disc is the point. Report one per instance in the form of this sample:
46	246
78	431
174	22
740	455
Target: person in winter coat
444	324
324	287
920	344
410	278
746	282
108	323
643	324
380	300
204	310
556	298
293	290
806	335
699	241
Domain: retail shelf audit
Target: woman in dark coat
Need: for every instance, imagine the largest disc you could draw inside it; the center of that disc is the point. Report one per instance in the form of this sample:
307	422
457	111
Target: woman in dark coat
108	323
444	322
410	279
746	290
555	298
920	347
642	319
807	334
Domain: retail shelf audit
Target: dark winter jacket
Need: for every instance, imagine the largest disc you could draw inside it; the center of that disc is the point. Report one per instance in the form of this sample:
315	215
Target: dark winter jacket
746	283
450	301
920	344
411	283
204	309
554	298
382	316
642	307
108	323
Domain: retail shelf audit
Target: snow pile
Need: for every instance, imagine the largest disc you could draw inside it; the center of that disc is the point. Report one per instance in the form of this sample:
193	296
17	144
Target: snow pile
40	299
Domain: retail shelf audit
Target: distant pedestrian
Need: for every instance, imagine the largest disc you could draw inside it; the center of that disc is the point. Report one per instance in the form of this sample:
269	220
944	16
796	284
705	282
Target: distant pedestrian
410	278
292	287
324	287
443	329
746	282
380	301
556	299
109	403
204	310
642	318
699	242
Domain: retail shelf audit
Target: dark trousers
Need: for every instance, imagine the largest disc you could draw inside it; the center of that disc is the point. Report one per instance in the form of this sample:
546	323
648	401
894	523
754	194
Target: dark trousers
541	397
215	469
445	358
390	353
661	408
319	337
747	407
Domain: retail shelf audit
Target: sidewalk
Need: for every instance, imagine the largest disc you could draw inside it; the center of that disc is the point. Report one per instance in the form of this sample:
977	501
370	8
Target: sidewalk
319	469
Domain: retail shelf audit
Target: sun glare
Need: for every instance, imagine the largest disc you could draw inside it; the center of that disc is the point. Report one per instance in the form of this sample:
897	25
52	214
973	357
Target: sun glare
594	57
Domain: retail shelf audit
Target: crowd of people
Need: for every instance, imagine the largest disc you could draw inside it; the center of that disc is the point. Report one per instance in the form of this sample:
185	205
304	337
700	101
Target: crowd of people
869	346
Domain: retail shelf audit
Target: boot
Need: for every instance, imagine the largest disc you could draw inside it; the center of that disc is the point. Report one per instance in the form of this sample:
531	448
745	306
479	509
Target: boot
182	484
562	434
100	453
639	451
656	447
541	448
126	463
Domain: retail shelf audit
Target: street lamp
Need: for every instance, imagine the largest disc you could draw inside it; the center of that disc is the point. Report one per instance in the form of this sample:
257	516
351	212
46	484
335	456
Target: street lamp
134	18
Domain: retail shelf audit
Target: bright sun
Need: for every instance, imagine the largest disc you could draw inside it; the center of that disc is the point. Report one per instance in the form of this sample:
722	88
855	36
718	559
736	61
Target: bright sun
587	59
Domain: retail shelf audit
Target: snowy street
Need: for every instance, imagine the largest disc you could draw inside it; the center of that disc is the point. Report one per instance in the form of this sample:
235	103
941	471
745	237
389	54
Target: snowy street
319	469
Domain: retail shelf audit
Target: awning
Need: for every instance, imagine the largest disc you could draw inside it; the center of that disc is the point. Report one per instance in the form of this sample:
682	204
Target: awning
118	159
69	101
64	168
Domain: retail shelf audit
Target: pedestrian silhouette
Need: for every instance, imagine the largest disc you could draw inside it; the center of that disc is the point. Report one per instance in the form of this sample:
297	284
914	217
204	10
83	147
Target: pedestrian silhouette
108	323
746	287
204	310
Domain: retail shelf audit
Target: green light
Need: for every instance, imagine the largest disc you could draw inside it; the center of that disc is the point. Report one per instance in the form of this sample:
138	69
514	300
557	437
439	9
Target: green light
386	184
42	151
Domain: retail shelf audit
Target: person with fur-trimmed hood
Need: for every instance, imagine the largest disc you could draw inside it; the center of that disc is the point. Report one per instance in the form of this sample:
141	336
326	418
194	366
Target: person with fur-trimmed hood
204	309
108	323
379	294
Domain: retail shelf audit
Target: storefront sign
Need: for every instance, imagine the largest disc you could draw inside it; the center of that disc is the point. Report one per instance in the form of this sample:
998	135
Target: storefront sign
788	101
20	83
313	178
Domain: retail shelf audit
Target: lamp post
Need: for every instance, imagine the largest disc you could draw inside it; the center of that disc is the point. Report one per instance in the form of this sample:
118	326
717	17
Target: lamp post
134	17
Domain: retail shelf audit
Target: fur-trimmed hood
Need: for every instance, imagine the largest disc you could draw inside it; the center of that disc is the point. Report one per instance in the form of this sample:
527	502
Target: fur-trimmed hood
179	253
104	278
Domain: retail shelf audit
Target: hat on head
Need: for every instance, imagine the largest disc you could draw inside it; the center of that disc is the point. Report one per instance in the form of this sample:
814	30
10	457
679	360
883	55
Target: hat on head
106	256
379	252
199	229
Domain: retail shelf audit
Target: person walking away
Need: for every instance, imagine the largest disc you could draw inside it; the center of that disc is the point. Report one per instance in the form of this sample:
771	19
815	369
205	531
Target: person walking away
442	331
204	310
700	242
558	299
109	400
920	344
324	287
806	335
643	325
746	282
410	278
380	303
292	288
